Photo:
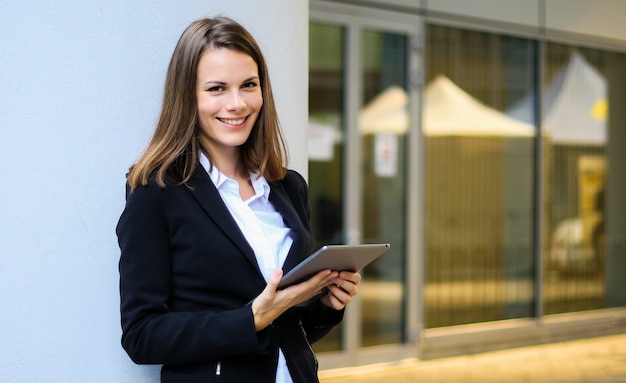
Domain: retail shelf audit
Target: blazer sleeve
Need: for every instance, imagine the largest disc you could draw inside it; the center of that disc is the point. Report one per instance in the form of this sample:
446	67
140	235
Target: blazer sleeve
151	332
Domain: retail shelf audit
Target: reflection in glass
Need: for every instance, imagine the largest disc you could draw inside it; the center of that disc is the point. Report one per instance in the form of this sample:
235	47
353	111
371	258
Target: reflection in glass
479	178
383	125
479	126
575	131
326	147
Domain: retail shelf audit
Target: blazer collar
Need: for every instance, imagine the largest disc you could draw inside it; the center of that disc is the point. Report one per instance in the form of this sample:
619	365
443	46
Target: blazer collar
205	192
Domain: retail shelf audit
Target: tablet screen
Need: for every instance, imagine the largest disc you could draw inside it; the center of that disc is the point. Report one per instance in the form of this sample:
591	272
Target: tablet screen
336	258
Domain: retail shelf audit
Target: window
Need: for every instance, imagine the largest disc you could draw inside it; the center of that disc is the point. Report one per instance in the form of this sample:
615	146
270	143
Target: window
578	134
479	177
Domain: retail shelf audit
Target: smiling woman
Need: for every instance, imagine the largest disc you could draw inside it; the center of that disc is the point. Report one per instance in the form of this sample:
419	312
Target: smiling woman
195	67
229	100
212	218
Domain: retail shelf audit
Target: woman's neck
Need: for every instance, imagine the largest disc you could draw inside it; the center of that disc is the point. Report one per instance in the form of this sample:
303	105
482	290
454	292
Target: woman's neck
228	163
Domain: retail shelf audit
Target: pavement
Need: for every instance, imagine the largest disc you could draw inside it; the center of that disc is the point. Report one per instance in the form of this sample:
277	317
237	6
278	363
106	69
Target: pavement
591	360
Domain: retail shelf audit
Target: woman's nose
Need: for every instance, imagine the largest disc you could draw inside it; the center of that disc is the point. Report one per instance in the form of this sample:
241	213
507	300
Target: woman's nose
236	101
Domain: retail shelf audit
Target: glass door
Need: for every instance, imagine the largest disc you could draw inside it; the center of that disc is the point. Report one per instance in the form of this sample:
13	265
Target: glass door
382	131
362	128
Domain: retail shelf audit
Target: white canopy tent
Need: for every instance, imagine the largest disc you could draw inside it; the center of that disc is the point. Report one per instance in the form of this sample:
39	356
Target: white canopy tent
448	111
386	113
578	113
575	105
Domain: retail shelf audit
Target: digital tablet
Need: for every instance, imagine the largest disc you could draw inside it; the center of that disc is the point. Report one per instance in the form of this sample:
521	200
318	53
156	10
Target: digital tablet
334	257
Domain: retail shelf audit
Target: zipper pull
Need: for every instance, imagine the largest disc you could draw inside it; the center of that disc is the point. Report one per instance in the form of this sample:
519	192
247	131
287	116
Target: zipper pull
218	369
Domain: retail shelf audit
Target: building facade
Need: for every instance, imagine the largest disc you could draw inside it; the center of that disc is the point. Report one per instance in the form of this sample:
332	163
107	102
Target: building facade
483	140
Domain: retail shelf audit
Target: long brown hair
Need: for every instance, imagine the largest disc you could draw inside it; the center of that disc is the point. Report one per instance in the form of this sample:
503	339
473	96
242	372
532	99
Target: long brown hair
175	143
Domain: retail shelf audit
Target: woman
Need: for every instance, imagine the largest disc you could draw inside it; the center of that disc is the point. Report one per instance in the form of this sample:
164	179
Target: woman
212	218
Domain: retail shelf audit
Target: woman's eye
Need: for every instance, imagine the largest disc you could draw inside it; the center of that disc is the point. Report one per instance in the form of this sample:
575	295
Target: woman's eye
250	84
216	89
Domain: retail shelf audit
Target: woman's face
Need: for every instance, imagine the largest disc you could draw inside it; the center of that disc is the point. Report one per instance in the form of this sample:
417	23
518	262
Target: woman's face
228	92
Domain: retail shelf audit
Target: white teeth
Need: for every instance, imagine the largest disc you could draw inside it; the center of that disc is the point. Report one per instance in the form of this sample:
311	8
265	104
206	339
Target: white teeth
233	122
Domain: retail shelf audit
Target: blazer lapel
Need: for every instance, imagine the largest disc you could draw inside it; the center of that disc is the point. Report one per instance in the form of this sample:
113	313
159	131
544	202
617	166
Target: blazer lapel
205	192
280	200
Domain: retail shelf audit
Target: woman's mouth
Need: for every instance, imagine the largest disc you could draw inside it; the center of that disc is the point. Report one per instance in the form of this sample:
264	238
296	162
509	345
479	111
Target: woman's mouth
232	121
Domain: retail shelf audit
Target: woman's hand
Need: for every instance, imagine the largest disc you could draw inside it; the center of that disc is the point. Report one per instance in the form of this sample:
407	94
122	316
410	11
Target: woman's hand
271	303
342	289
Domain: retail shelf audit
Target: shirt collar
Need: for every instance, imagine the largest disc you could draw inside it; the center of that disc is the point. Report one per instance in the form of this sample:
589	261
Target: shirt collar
259	183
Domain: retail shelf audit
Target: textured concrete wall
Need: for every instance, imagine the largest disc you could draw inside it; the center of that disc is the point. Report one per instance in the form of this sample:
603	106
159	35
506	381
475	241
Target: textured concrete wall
80	89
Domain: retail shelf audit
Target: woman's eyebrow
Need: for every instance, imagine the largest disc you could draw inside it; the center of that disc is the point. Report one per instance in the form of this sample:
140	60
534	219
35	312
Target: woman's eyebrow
217	82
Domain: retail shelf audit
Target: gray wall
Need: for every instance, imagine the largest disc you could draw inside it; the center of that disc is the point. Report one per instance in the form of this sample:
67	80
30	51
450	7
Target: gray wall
81	83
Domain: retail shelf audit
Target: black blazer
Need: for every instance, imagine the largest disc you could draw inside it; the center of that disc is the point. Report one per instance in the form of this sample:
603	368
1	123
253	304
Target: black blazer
187	274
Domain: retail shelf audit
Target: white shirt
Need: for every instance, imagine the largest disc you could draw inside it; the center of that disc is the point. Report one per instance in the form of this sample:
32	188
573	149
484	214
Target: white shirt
263	228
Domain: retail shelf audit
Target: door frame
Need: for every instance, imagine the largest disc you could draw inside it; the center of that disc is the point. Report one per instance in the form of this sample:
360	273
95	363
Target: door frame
355	19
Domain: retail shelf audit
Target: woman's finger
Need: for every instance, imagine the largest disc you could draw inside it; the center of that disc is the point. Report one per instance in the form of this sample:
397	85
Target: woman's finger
275	280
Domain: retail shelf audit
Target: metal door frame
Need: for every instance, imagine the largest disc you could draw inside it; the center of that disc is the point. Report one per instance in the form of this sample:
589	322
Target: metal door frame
356	19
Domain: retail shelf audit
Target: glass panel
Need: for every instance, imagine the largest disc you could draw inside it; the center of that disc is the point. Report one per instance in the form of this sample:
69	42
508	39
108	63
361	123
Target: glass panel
576	139
479	147
614	238
383	125
326	145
